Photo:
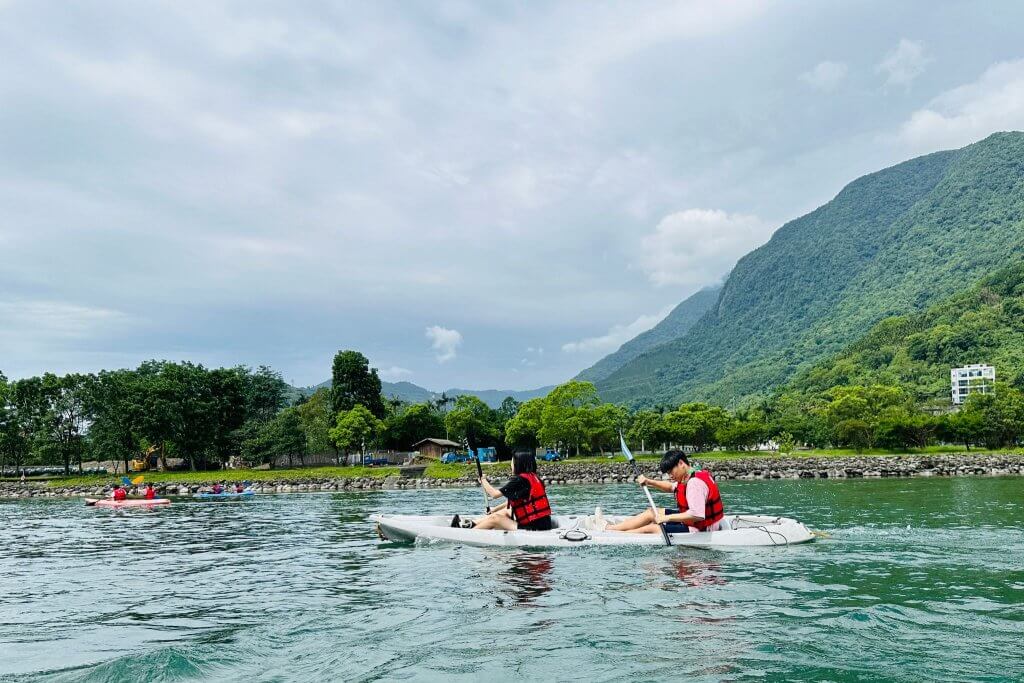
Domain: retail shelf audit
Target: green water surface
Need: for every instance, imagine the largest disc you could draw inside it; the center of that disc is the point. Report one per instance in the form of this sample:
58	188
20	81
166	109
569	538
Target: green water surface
920	579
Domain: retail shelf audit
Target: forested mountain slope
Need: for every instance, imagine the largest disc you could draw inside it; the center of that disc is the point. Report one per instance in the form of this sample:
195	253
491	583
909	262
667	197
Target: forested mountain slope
890	243
675	325
982	325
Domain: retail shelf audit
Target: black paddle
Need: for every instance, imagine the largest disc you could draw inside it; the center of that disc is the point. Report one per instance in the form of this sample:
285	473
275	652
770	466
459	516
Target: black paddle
636	471
471	445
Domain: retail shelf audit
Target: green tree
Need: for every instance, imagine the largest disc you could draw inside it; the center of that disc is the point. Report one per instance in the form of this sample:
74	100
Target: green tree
696	424
411	424
603	424
355	428
965	426
354	382
1000	414
739	435
472	417
566	416
65	417
317	419
265	392
113	404
647	430
523	429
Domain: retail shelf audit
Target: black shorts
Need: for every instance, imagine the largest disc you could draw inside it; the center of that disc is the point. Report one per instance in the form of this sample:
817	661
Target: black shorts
542	524
675	527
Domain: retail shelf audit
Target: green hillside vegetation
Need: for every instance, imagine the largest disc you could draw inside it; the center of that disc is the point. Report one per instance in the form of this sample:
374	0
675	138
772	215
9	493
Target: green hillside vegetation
982	325
891	243
675	325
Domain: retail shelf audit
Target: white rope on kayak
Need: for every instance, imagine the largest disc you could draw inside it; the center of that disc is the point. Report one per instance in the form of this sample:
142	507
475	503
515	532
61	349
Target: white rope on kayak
762	527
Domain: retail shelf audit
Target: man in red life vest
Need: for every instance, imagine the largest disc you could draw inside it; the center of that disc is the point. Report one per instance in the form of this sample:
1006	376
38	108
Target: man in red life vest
119	493
150	492
526	505
699	504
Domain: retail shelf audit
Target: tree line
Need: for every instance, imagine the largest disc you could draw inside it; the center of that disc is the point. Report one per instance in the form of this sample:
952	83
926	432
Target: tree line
206	417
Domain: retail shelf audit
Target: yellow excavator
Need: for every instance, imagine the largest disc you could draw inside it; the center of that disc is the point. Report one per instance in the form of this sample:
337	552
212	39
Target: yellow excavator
149	461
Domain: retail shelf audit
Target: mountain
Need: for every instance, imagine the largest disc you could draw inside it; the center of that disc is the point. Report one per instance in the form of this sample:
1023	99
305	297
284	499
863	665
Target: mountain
984	324
890	243
675	325
412	393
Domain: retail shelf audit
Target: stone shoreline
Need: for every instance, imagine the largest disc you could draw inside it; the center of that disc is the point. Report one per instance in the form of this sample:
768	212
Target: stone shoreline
569	473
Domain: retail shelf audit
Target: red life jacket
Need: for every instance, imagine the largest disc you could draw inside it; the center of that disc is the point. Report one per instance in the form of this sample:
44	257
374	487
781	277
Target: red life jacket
713	510
150	493
120	493
535	505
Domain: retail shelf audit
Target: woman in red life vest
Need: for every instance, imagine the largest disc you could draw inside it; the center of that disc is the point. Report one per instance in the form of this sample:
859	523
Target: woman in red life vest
699	504
526	502
150	492
239	488
119	493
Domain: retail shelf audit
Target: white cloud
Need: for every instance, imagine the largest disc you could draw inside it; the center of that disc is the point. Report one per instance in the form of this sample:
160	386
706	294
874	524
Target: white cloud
444	342
696	246
825	76
539	350
394	373
970	112
905	63
54	320
617	335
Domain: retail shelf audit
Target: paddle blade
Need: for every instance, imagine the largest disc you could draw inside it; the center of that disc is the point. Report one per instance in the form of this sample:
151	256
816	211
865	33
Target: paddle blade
138	480
625	448
125	481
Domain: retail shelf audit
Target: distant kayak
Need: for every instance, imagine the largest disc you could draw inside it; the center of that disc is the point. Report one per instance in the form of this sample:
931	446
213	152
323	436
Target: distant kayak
224	496
129	503
573	530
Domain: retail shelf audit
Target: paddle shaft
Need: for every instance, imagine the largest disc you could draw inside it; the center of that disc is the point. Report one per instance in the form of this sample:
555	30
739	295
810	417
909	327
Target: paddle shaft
480	476
650	499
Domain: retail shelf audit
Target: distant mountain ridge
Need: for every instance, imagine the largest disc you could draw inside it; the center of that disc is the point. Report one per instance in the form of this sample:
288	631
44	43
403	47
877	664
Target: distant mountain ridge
890	243
675	325
412	393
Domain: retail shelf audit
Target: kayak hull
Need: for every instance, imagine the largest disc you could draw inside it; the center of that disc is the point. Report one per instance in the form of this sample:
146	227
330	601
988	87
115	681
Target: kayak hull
578	530
130	503
224	496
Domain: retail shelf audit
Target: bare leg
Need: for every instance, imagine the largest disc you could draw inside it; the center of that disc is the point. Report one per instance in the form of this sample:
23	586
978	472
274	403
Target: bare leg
649	529
497	520
635	522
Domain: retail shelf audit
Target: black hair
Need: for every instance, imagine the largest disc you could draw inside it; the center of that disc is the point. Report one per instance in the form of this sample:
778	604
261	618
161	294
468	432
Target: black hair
524	463
671	459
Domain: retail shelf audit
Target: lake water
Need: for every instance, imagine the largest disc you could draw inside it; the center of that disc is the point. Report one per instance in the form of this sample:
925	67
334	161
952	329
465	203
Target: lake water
921	579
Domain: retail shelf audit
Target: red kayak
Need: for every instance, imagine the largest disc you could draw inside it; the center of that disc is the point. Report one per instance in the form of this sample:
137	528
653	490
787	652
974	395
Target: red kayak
128	503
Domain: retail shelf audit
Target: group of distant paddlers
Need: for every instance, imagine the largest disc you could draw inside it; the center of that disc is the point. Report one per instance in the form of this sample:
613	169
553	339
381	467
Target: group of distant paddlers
526	506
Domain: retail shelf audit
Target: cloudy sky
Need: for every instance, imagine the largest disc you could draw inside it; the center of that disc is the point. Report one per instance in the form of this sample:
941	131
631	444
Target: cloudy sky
474	194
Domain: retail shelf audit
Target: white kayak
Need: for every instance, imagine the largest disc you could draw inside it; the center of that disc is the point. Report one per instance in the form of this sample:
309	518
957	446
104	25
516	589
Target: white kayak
580	530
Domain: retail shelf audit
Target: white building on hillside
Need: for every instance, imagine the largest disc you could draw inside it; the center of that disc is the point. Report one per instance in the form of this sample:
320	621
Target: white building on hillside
971	379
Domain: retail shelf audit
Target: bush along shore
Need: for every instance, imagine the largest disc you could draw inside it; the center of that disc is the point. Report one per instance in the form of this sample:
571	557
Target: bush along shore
570	473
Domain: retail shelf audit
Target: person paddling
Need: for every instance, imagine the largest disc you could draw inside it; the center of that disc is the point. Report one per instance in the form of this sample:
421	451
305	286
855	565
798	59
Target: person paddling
150	492
239	488
218	488
697	497
526	503
119	493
